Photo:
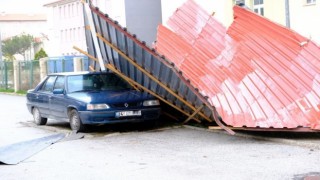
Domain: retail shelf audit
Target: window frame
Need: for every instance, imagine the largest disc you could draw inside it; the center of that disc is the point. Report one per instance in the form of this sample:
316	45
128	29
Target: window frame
258	7
57	81
43	87
311	2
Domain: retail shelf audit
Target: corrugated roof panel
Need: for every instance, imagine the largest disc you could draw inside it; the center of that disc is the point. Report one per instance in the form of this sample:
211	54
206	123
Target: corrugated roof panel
113	47
256	73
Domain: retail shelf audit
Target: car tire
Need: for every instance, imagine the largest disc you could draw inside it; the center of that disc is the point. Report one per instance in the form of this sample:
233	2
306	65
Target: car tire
37	117
75	121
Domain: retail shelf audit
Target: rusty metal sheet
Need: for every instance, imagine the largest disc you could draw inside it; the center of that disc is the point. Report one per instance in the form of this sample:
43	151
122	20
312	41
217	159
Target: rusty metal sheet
18	152
256	73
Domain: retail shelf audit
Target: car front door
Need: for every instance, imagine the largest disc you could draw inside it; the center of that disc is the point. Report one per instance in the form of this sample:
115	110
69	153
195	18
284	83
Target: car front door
58	106
43	96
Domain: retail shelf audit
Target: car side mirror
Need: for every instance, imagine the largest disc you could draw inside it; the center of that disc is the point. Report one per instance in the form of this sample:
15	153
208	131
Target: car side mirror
58	91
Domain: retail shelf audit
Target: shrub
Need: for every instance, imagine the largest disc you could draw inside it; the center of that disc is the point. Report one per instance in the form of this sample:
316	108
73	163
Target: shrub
40	54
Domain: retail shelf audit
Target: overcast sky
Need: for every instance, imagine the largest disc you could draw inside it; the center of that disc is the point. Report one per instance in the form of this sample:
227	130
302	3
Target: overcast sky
23	6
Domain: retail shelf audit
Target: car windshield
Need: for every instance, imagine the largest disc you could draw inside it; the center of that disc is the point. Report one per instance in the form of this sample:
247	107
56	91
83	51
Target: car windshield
96	82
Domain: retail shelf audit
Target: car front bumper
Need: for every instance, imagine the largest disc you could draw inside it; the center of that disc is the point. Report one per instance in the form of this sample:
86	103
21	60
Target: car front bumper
109	117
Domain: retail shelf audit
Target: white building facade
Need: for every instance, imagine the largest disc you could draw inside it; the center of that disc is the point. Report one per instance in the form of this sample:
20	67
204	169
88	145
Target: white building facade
17	24
66	27
66	22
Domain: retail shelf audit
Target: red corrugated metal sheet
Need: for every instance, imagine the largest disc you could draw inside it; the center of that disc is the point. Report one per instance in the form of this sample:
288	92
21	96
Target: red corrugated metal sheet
256	73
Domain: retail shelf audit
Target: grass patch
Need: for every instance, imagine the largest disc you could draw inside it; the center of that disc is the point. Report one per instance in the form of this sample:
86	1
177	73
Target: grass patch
21	92
7	90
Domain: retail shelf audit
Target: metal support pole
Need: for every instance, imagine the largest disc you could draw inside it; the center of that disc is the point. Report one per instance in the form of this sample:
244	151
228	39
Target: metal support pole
287	6
94	36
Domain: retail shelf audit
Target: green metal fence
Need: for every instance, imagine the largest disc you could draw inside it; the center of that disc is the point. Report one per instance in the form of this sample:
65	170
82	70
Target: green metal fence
28	71
6	75
28	74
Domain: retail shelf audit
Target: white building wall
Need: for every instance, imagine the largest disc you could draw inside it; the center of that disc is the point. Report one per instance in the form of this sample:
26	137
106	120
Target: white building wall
37	29
305	19
66	29
66	24
114	8
222	9
13	28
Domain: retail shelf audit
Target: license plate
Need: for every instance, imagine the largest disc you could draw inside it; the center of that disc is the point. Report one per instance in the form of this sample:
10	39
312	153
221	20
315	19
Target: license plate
128	113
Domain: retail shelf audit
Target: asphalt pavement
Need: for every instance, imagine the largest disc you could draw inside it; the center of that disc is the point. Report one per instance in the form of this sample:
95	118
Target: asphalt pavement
166	152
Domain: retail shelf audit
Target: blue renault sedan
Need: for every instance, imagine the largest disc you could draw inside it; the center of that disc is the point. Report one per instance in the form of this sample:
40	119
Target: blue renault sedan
83	98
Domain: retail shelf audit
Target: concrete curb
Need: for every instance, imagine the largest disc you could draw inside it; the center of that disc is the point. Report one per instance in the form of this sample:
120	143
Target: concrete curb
13	93
300	143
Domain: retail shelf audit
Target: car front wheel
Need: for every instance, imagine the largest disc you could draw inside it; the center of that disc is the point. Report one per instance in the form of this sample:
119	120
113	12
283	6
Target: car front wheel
75	121
37	117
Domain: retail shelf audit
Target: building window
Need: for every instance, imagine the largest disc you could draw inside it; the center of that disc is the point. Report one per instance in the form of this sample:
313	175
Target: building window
66	35
72	10
61	36
70	35
79	33
64	14
69	10
60	13
239	2
258	7
310	2
74	34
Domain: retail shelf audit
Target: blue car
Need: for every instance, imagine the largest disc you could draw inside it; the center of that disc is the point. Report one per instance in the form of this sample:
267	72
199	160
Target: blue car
83	98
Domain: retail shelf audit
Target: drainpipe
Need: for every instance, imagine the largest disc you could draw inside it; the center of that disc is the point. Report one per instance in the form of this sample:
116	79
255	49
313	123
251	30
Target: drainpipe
287	13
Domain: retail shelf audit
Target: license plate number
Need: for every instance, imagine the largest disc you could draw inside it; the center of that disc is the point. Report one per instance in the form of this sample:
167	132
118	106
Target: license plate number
128	113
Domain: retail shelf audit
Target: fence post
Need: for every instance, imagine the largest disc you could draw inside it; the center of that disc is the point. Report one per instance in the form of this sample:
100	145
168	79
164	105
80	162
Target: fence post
30	74
5	74
16	77
43	67
77	64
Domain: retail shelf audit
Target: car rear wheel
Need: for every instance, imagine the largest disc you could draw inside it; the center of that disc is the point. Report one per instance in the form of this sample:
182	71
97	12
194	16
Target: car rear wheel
75	121
37	117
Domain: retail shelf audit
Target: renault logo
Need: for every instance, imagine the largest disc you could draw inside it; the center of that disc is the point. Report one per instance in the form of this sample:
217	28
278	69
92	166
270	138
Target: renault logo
126	105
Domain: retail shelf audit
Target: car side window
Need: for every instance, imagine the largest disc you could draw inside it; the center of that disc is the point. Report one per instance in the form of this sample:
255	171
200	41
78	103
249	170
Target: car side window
59	83
48	85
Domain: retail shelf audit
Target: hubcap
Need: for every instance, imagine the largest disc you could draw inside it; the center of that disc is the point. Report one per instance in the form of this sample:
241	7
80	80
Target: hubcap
74	122
36	115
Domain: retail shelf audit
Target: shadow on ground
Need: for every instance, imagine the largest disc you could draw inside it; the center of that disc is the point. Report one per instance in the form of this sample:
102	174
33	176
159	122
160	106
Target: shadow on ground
58	126
286	135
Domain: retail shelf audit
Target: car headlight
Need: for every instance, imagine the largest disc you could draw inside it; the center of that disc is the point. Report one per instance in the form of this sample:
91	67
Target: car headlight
97	106
151	103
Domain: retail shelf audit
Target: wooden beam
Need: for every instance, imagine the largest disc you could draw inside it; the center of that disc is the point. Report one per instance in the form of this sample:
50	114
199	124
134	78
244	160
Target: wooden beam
192	115
91	69
95	59
150	76
85	53
112	68
133	83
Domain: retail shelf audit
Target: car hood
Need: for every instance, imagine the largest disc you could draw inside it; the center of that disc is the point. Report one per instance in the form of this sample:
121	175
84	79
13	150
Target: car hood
110	96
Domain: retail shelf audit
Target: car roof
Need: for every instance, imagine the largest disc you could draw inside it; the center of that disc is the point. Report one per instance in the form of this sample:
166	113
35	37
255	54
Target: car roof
77	73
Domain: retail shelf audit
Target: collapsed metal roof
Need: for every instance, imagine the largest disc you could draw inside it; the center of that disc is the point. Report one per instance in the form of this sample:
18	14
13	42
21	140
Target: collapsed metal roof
253	74
256	73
